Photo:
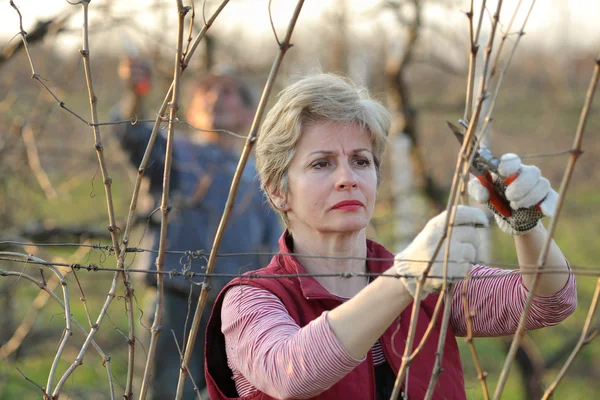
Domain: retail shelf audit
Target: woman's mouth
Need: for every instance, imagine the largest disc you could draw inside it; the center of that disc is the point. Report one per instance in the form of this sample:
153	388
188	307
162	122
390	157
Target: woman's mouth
348	205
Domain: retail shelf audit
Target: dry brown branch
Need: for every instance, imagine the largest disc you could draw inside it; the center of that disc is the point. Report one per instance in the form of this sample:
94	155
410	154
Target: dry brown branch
587	335
500	79
273	25
68	329
436	311
506	33
448	287
165	207
252	135
484	84
146	157
112	228
474	49
465	158
437	369
553	222
190	30
43	286
45	395
408	354
462	165
41	30
160	118
33	159
41	299
35	75
79	359
202	33
481	375
181	358
82	298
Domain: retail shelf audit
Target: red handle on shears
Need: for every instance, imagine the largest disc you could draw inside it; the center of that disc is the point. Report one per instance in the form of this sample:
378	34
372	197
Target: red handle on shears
496	199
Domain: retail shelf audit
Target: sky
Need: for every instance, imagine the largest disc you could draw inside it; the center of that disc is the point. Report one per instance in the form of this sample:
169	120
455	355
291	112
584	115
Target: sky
553	24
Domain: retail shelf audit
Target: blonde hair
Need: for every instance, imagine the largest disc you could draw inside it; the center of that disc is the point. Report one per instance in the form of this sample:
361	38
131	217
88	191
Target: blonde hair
311	100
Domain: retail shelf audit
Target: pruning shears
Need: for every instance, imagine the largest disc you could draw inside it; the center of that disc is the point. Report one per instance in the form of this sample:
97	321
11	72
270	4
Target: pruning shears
483	164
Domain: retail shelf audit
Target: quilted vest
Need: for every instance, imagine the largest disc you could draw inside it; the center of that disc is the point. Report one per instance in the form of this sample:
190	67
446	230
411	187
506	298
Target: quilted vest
305	299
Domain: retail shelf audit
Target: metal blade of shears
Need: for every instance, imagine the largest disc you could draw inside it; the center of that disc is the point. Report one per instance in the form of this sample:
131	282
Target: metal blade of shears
459	132
480	168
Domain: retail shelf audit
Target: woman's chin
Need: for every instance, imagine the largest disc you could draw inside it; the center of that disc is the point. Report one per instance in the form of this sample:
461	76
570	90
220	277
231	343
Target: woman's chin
348	226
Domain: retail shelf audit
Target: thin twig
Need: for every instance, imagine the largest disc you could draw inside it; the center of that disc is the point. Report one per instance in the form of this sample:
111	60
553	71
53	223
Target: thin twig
33	158
447	288
481	375
273	25
43	286
462	163
190	32
37	385
285	45
66	333
181	358
165	207
202	33
500	79
473	49
587	335
34	73
41	299
82	298
89	339
553	222
465	158
437	369
112	228
155	129
434	316
68	330
507	32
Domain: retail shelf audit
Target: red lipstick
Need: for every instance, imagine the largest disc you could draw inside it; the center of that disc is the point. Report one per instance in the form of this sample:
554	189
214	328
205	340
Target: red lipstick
348	205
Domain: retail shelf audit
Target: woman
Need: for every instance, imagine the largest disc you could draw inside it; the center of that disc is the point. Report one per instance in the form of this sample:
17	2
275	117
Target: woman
318	157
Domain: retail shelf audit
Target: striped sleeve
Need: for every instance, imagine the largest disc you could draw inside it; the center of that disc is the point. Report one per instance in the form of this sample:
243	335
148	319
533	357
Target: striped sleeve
497	298
268	351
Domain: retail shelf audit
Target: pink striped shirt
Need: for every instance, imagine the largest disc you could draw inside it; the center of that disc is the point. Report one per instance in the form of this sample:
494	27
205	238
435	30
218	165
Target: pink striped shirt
268	351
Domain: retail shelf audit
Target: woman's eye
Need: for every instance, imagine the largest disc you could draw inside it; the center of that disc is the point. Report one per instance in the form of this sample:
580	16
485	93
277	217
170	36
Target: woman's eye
320	164
363	162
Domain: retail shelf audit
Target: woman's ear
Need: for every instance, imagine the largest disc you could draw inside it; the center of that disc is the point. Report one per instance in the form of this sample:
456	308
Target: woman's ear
278	198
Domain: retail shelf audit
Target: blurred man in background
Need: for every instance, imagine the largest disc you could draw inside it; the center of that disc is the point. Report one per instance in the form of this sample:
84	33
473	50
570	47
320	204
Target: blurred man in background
203	167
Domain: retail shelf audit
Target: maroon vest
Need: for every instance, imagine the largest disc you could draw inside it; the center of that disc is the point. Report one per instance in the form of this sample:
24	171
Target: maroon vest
305	299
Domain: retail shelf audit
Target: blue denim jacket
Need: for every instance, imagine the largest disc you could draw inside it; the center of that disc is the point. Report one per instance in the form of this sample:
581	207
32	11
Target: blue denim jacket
201	177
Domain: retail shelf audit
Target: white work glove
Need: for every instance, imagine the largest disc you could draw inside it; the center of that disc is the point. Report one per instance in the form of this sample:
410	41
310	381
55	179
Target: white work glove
411	262
529	189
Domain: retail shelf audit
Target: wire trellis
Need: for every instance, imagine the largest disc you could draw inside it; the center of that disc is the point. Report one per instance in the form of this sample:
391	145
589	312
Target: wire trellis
491	80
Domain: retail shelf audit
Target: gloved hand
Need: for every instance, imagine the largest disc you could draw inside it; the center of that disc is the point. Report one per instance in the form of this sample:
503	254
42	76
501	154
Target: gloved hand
464	243
136	73
524	193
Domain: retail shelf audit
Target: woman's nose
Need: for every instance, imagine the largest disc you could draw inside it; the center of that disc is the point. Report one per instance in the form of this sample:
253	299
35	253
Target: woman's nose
346	178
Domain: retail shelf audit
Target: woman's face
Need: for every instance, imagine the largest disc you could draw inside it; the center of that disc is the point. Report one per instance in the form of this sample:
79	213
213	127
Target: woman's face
332	180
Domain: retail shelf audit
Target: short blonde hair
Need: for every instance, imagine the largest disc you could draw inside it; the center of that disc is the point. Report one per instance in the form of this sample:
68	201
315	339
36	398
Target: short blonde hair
314	99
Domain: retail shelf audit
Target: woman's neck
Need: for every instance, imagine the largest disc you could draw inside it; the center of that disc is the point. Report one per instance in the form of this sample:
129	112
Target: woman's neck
334	253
